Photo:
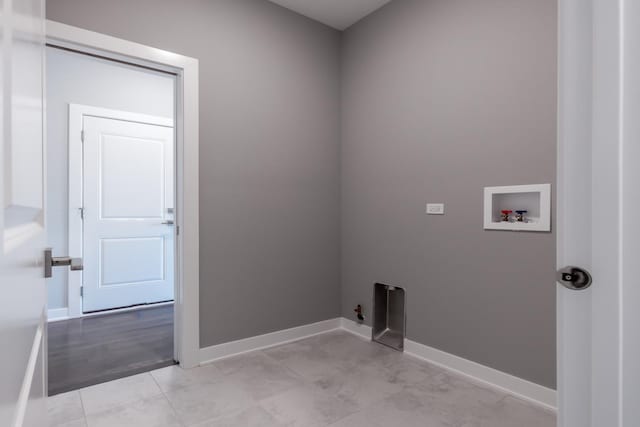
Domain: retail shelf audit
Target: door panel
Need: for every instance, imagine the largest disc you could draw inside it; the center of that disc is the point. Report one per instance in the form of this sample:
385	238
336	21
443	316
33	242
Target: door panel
574	208
128	239
631	204
131	178
118	268
22	238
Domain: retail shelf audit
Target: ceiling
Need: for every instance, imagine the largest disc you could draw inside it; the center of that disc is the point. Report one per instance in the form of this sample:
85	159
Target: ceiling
338	14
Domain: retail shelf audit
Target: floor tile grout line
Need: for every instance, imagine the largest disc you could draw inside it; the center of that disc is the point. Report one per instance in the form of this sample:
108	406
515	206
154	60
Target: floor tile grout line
125	404
214	382
84	411
310	383
175	412
313	384
289	369
304	380
258	402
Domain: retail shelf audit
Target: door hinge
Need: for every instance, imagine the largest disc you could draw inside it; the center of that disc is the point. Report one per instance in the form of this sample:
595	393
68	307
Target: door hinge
177	230
81	291
81	210
82	135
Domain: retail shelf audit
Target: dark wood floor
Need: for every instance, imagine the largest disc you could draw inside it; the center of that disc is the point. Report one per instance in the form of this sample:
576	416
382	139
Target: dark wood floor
92	350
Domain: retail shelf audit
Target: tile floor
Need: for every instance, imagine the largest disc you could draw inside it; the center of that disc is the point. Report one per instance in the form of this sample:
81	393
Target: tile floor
334	379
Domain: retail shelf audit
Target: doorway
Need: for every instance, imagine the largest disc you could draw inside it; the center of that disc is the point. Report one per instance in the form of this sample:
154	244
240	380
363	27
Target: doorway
111	202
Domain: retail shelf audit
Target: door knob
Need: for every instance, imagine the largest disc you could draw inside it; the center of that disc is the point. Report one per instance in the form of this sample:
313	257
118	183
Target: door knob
50	261
574	278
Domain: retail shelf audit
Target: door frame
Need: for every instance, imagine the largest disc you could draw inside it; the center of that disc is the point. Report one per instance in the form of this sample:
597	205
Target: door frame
573	246
76	187
187	324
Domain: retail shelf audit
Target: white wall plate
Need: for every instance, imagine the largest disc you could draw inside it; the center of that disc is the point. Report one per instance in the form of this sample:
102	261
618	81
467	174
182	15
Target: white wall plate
535	199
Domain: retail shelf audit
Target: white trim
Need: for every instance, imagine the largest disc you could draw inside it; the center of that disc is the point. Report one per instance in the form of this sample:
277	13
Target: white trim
476	372
57	314
187	325
356	328
494	378
234	348
27	380
76	115
542	223
574	209
88	110
74	222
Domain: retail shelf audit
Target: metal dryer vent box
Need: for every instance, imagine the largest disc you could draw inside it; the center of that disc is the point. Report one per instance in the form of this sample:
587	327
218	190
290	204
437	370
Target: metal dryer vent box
388	316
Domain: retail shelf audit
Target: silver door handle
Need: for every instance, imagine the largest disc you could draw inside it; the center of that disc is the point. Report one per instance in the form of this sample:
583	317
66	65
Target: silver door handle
574	278
50	261
169	222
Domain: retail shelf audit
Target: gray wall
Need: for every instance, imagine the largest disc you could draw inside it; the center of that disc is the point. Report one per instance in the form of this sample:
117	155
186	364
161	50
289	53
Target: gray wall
269	153
78	79
441	98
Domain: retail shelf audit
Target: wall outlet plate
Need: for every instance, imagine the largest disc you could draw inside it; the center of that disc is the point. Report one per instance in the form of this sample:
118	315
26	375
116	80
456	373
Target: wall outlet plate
435	208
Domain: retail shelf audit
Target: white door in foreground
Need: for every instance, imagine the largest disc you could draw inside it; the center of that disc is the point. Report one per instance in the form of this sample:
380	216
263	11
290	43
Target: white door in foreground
128	241
22	228
598	203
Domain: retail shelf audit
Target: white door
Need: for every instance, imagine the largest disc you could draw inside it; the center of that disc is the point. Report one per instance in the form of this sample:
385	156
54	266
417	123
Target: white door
22	227
598	201
128	240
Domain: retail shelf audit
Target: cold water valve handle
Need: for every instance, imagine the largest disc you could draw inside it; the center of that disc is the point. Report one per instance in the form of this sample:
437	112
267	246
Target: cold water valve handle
359	314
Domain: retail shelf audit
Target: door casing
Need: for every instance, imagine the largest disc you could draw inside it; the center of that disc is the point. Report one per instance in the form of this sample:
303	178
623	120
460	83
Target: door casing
187	325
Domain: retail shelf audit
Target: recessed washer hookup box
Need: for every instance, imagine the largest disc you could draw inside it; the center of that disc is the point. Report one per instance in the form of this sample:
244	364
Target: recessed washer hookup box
389	318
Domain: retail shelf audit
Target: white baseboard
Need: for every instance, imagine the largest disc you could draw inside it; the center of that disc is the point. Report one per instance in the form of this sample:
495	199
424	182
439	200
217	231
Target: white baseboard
356	328
55	314
504	382
222	351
